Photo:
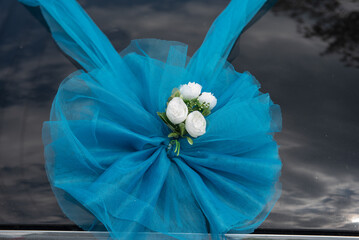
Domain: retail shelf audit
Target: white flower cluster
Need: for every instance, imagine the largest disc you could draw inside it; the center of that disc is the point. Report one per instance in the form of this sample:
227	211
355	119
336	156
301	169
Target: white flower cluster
193	102
185	112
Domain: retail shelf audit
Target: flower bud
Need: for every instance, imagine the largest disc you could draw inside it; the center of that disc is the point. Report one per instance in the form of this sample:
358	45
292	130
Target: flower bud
195	124
190	91
207	97
177	110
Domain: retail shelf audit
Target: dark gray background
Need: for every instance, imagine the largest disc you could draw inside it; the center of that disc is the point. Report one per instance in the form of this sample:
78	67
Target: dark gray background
305	54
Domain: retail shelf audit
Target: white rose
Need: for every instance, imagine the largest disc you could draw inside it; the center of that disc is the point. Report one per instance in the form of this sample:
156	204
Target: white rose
191	90
195	124
207	97
177	110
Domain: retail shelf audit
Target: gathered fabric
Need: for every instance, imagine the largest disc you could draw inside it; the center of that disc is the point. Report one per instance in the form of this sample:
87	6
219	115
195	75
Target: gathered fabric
108	157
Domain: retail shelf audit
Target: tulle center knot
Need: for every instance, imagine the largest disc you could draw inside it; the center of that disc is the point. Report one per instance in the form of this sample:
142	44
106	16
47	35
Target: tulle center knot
170	150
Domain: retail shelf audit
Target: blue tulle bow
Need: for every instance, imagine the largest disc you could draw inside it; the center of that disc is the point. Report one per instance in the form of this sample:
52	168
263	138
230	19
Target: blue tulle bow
106	150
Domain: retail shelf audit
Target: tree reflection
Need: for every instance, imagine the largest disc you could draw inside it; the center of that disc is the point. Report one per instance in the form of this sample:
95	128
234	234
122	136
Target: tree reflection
335	22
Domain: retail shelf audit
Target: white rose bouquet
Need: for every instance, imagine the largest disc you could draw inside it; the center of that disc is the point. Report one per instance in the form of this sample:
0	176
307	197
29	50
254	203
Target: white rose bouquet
185	112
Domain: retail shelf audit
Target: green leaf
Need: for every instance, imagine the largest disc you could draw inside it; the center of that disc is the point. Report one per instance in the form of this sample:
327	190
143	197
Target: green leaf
189	140
206	112
159	114
174	91
178	147
168	100
165	119
163	116
182	129
173	135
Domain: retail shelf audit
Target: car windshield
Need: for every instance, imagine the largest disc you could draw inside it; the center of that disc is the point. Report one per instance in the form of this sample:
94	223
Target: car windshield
304	53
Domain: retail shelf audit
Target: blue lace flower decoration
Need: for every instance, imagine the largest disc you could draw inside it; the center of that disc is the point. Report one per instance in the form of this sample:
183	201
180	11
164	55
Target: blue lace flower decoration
106	143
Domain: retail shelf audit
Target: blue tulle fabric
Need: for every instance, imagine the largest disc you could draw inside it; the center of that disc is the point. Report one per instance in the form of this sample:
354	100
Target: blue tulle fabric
106	150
